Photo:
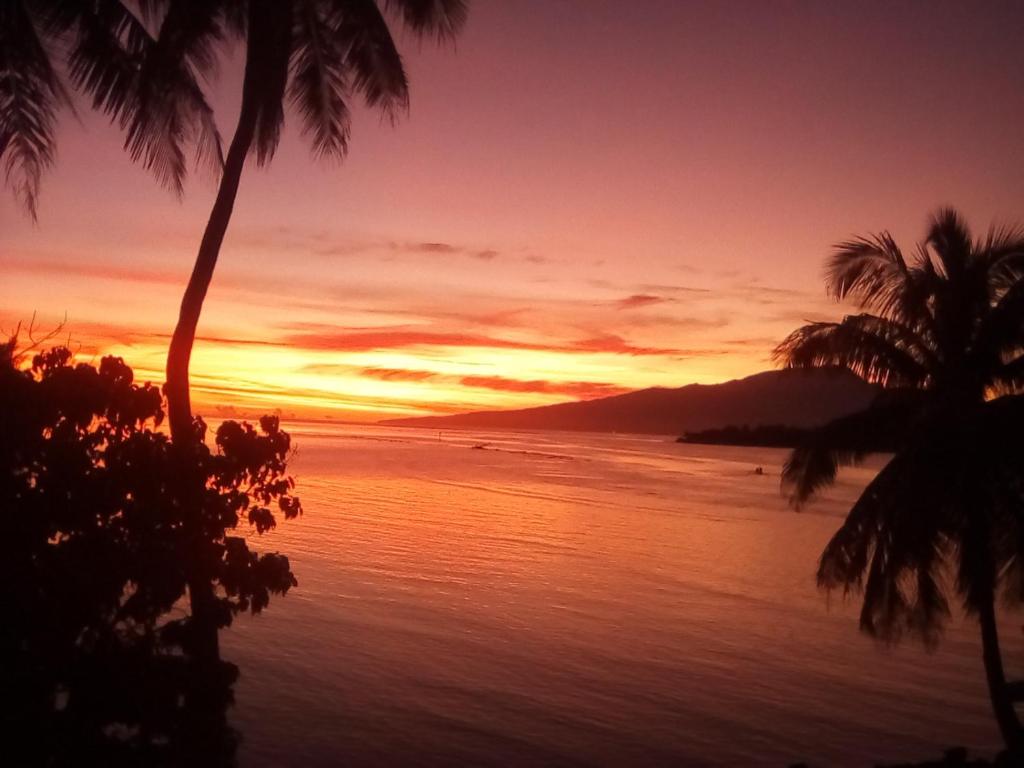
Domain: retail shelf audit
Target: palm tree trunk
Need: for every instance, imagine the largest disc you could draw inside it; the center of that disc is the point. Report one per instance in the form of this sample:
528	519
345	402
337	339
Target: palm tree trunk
179	354
1002	702
183	436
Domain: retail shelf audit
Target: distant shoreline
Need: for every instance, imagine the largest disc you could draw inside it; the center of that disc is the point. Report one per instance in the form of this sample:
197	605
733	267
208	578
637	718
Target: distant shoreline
762	436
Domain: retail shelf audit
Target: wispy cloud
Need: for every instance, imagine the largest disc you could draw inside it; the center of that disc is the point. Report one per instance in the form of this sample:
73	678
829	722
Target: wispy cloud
448	249
666	288
367	341
397	374
100	271
617	345
433	248
582	390
638	300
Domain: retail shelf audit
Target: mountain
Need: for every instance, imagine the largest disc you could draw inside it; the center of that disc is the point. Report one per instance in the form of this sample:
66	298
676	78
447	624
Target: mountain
791	398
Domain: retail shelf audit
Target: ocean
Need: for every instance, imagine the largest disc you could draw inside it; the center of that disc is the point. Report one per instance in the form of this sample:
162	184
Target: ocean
470	598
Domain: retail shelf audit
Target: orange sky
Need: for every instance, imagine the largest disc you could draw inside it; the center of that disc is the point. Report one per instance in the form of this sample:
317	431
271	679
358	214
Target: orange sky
587	197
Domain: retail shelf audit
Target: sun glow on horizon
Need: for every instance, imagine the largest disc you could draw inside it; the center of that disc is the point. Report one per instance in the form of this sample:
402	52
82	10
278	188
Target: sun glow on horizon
531	237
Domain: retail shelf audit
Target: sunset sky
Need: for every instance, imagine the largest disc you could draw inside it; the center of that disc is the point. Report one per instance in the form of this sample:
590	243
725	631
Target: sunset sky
587	197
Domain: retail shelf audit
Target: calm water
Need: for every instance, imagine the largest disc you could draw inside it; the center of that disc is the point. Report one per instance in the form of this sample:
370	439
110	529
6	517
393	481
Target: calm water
558	599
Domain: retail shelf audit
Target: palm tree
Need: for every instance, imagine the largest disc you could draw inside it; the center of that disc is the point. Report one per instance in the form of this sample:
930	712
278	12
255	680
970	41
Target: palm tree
141	62
942	333
315	54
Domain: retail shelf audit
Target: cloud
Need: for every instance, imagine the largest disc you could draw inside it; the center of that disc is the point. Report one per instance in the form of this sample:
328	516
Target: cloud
638	300
401	338
434	248
758	341
100	271
366	341
583	390
397	374
446	249
616	345
663	288
344	249
324	243
257	397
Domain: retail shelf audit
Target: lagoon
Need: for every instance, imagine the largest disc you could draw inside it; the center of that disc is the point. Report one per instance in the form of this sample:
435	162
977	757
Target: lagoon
577	599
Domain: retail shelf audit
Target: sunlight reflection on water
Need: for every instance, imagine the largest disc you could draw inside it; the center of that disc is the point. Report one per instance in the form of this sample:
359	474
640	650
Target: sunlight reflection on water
565	599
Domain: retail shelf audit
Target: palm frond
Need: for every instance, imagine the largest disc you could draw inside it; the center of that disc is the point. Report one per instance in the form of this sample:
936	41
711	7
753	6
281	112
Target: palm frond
846	557
864	267
929	609
371	56
878	350
30	94
269	45
190	33
319	85
1005	243
845	441
149	85
441	18
152	11
893	545
999	339
950	239
171	110
1009	377
874	272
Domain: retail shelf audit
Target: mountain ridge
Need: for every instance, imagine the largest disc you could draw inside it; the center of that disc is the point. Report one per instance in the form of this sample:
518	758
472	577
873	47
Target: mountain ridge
793	398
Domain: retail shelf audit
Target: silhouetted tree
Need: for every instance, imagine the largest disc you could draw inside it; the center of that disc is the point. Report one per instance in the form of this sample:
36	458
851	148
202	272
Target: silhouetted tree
141	61
314	54
99	661
943	333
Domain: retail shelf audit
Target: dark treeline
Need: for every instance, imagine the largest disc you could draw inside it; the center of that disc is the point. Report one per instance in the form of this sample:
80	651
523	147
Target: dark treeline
760	436
771	436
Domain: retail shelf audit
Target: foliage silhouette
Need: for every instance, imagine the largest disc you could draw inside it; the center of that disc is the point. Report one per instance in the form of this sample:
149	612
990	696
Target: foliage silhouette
943	333
146	82
141	63
98	652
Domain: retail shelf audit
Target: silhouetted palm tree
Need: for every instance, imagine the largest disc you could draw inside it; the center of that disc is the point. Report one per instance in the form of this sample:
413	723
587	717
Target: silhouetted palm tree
314	54
943	333
147	83
140	62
